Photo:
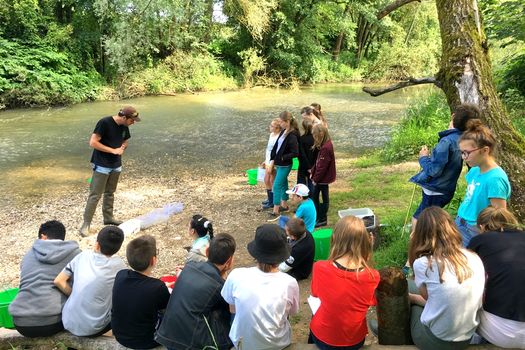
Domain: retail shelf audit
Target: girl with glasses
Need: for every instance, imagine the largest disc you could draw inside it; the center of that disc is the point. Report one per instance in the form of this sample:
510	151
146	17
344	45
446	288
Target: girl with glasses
487	182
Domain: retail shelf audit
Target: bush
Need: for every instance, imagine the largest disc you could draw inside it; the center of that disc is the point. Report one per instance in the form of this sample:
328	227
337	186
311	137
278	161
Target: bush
180	72
427	115
38	76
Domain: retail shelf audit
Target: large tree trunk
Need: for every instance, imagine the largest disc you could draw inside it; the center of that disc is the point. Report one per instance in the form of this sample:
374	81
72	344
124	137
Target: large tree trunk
466	76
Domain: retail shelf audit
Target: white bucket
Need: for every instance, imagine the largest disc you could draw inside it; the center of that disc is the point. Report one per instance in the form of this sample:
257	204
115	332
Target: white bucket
361	213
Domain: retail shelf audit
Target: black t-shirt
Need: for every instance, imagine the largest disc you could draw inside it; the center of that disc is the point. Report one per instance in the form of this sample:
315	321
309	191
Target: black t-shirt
301	257
137	299
112	135
503	255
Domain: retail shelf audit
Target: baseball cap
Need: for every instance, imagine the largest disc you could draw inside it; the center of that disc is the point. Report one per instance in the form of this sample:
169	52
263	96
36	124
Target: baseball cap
129	112
300	190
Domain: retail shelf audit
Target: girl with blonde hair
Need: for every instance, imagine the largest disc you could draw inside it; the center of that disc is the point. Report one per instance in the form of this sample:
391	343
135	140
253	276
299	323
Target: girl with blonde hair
448	278
269	174
345	284
500	246
487	183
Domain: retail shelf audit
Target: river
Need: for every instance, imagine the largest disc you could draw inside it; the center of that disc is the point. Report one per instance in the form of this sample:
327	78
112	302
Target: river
208	132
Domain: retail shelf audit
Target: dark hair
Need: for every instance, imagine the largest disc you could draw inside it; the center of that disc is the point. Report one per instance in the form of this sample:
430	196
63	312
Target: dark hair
307	126
296	227
266	267
110	239
287	116
317	107
201	225
140	251
52	229
221	248
463	113
481	135
308	110
497	219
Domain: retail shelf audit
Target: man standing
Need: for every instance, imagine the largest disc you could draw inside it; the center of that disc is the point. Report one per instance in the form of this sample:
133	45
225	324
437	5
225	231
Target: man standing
109	140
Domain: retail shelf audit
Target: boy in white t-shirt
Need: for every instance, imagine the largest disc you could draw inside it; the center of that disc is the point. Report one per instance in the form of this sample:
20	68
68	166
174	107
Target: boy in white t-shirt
262	297
87	311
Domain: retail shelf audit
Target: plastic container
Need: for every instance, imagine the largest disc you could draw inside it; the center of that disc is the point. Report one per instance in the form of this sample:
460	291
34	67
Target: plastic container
130	227
159	215
252	176
261	172
295	163
322	243
6	297
366	214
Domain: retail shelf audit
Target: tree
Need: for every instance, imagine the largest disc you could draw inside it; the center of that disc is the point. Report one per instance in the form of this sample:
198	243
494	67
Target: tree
465	76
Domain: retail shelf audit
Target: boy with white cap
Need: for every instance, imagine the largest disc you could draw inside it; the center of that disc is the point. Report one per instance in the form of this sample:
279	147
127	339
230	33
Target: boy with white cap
306	207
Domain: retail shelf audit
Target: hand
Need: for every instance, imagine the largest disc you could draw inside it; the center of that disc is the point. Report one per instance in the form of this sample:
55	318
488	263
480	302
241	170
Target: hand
178	270
118	151
416	299
424	151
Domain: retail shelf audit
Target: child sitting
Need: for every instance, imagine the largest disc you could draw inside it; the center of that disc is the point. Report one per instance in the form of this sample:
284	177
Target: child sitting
37	308
196	302
262	296
87	311
137	297
201	230
306	207
500	246
299	263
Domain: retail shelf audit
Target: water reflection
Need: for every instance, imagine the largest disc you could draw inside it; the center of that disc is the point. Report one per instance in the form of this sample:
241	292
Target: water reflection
212	132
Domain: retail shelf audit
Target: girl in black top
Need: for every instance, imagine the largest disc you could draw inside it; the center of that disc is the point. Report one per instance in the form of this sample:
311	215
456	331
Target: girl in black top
285	149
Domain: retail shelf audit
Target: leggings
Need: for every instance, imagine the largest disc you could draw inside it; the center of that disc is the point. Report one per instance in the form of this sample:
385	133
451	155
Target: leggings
280	184
40	331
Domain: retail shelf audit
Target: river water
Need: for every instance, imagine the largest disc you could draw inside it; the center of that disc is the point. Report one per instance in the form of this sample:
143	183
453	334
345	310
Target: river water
208	132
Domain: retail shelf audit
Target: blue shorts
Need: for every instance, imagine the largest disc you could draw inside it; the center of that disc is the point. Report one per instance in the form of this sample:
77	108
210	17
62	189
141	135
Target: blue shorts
432	201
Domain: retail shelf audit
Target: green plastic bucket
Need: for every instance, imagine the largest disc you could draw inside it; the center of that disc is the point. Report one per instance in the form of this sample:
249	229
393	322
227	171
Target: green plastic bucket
252	176
322	243
295	163
6	297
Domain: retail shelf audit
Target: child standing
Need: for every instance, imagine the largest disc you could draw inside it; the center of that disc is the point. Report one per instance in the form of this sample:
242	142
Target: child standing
307	155
262	297
323	172
87	311
345	284
285	149
487	183
448	278
201	230
137	297
269	174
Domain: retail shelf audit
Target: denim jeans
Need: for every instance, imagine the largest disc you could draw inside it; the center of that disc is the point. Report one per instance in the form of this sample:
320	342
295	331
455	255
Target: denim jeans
280	184
105	170
467	231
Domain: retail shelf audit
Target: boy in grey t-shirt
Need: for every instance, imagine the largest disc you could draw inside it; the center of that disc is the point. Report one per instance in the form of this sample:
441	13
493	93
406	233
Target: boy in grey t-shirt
87	312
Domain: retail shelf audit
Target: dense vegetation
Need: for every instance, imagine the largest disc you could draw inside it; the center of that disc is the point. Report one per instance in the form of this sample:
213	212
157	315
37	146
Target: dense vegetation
65	51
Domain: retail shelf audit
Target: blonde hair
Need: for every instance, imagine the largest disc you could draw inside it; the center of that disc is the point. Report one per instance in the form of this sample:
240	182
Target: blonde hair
321	135
350	238
480	134
496	219
437	238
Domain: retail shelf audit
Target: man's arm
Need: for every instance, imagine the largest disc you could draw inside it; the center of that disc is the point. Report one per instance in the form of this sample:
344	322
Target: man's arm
61	281
94	142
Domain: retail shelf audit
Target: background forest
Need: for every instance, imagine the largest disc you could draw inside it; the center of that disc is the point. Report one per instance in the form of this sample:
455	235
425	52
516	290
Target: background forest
66	51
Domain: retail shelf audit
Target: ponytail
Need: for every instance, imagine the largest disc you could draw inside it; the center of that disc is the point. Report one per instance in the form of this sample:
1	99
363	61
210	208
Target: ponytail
480	134
202	226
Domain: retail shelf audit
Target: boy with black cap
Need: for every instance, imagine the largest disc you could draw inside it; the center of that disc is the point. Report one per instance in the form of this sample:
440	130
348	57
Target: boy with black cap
108	140
262	297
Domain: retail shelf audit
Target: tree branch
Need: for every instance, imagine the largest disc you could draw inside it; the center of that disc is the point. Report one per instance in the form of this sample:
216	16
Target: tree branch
401	85
392	7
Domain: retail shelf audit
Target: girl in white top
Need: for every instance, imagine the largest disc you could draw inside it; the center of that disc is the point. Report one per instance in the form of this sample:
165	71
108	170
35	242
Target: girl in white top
450	279
269	174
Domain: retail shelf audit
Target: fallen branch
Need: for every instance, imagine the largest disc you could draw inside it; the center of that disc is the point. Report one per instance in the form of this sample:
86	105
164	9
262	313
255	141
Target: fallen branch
401	85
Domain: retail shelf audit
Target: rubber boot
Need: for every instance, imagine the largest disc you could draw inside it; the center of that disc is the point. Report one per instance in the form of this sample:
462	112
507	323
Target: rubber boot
109	197
96	189
269	204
